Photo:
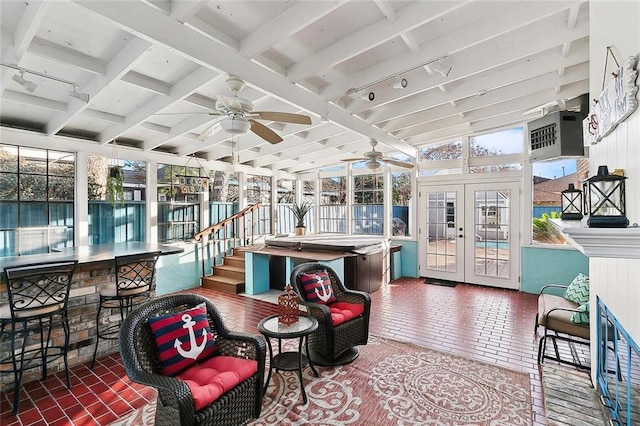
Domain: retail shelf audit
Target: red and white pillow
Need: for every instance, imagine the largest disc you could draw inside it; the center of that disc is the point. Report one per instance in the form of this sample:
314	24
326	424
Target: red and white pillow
182	338
317	287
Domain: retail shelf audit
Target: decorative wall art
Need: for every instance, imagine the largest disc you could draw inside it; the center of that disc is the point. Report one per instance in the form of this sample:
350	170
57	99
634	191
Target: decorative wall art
616	102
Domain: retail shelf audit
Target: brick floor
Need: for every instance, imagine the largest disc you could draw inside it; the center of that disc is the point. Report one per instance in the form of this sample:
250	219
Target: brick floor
482	323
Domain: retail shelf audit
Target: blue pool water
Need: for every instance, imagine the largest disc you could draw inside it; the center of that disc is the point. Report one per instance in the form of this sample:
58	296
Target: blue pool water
492	244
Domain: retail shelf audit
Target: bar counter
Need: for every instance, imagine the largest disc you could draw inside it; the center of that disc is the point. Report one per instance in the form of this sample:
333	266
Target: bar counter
95	270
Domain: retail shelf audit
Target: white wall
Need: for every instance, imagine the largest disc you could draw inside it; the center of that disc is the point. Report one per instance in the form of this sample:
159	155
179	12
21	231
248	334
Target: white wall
616	24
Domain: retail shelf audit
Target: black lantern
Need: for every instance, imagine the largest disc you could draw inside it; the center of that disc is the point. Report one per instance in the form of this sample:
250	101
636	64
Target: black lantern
604	199
571	203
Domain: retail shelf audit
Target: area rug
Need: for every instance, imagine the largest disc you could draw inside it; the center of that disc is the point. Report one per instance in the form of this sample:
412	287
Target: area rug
394	383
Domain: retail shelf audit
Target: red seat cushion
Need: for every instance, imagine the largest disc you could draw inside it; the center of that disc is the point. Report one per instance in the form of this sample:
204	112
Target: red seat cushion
343	312
215	376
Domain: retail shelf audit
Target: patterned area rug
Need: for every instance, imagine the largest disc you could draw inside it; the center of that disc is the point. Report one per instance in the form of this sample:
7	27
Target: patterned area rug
394	383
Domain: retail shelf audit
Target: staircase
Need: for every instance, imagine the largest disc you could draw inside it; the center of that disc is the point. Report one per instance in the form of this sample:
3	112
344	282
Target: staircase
228	277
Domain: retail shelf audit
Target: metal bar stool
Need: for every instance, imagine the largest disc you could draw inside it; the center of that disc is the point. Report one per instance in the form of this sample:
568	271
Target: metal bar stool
38	296
134	284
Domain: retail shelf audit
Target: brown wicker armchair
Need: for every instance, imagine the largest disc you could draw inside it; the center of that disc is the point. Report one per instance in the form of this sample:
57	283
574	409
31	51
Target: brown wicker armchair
329	344
175	404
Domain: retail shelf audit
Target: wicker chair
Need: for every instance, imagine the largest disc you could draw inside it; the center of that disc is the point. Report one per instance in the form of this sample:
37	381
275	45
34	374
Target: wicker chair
333	345
175	405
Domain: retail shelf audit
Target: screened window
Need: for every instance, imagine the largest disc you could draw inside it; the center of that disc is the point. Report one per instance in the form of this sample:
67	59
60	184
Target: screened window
178	203
286	196
401	197
223	195
259	191
36	200
116	221
333	204
368	204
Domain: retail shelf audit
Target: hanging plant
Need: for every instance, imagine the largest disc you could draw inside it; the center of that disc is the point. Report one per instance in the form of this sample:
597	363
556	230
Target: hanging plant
115	185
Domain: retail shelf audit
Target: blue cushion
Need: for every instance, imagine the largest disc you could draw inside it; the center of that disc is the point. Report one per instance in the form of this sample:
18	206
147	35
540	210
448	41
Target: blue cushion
578	290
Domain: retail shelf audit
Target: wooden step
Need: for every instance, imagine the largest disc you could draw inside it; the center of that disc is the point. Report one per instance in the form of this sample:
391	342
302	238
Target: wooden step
235	261
223	284
229	271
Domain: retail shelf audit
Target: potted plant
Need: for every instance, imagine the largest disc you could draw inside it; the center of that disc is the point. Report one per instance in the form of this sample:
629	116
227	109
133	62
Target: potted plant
299	212
115	185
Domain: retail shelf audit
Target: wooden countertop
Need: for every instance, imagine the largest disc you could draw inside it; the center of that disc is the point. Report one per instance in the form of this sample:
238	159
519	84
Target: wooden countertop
299	254
90	254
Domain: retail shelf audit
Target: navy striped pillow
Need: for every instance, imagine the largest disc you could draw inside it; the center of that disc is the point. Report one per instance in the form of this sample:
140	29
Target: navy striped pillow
175	335
317	287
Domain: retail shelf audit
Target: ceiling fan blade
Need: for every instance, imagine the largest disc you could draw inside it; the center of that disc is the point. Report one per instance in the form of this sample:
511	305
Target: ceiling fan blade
396	162
210	131
190	113
354	159
264	132
284	117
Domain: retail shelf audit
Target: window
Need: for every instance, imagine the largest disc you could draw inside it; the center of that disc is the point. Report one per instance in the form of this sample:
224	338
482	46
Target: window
178	203
333	204
116	222
400	200
223	196
549	179
259	191
368	204
36	200
286	196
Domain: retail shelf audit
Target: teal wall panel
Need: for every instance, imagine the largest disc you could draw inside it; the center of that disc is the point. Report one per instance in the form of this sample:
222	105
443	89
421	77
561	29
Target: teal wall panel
408	258
541	266
179	271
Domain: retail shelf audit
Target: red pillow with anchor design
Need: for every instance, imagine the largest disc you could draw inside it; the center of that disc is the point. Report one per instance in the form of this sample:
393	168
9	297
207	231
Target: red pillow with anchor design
317	287
182	338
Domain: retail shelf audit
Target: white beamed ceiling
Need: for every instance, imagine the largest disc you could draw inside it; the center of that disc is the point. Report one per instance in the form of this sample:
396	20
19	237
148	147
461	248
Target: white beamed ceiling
139	60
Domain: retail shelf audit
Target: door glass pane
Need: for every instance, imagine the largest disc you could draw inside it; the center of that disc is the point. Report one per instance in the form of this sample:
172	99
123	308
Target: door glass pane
491	225
441	231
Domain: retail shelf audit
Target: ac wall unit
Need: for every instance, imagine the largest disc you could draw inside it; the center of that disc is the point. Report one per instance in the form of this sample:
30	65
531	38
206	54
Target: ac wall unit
556	135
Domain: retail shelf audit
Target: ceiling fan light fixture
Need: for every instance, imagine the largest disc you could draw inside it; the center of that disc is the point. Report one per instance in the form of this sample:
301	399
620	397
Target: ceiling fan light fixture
235	125
372	164
401	83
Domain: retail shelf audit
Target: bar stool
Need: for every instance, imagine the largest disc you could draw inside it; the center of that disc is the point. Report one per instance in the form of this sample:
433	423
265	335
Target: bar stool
134	284
38	298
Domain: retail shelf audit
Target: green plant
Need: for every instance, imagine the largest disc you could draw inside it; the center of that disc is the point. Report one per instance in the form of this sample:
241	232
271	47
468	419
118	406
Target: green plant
300	211
115	185
543	230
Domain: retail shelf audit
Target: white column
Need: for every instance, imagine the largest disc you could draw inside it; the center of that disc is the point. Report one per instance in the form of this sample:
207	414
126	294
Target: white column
151	210
81	204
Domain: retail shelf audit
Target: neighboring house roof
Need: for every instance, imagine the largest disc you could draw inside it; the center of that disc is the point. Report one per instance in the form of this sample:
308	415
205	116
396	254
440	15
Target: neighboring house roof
548	192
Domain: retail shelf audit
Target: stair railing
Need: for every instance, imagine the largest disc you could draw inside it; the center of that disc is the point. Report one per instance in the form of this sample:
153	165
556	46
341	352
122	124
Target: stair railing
238	226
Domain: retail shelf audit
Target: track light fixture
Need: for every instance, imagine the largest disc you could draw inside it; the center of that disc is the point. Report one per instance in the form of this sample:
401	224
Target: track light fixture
401	83
84	97
29	86
440	67
366	95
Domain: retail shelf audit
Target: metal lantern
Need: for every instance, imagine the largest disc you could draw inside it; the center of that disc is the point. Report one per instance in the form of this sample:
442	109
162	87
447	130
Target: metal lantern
288	306
571	203
605	200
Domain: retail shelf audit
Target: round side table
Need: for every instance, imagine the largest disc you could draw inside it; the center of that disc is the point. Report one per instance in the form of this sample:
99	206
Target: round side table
291	360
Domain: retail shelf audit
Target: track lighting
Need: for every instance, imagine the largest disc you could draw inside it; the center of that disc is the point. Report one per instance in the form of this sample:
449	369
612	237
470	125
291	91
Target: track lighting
440	67
370	96
401	83
84	97
30	86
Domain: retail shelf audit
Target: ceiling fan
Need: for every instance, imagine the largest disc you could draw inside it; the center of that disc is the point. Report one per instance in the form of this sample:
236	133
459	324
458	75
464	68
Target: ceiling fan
375	158
238	117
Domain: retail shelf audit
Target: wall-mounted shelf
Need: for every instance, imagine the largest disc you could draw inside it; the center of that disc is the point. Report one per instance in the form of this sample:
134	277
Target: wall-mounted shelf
622	243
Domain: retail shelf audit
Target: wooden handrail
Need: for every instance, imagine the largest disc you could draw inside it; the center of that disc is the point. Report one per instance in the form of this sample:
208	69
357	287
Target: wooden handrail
222	225
217	226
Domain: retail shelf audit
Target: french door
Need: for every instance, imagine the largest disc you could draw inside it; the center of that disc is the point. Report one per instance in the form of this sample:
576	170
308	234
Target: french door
470	233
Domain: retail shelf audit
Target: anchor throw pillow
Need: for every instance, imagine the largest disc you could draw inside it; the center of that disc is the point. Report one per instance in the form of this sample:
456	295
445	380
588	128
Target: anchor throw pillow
182	338
317	287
